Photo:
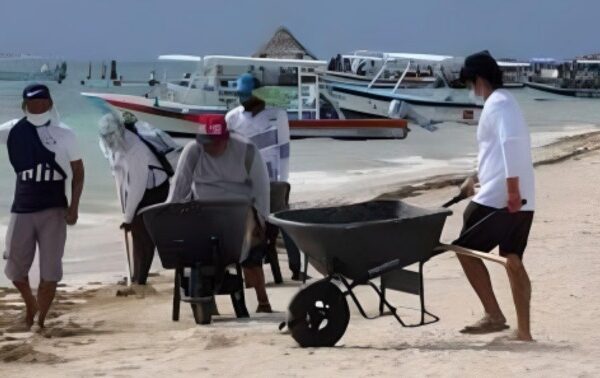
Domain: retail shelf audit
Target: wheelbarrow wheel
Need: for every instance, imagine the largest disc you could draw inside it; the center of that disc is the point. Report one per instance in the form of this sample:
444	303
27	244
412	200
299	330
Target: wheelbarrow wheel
202	312
318	315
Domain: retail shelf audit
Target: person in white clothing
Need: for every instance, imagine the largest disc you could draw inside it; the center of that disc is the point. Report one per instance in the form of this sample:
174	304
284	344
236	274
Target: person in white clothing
269	130
501	213
141	181
264	126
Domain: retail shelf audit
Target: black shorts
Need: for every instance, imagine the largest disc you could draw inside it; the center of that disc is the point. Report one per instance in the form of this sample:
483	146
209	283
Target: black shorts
509	231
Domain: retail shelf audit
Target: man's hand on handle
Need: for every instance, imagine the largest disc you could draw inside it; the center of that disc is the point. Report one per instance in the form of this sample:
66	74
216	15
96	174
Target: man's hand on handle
467	188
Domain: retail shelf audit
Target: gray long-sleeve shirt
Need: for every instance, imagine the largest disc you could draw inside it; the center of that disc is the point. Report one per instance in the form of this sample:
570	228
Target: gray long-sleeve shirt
228	176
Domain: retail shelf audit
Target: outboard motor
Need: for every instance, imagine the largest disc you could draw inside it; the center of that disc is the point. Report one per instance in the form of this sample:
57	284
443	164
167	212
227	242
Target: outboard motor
400	109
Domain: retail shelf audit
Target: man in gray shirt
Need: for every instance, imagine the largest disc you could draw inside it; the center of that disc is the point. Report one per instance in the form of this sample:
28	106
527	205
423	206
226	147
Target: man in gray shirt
224	166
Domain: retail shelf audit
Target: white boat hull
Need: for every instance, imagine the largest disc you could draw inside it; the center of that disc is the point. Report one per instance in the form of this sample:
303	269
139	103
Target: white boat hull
361	103
178	119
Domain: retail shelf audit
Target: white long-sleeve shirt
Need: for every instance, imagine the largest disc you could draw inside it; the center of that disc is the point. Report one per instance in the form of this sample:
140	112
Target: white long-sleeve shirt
269	130
202	176
504	152
133	173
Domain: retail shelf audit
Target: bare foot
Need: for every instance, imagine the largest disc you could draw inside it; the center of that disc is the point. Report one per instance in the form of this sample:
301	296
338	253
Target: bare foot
518	336
264	308
32	310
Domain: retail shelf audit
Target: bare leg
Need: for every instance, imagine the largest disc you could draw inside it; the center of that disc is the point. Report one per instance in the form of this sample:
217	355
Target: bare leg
255	278
521	290
45	296
31	304
479	278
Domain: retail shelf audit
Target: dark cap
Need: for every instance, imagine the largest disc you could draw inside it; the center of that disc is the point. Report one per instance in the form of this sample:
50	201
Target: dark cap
481	64
36	91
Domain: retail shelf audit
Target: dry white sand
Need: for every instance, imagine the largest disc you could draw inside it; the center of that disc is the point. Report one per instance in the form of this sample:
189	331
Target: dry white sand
94	333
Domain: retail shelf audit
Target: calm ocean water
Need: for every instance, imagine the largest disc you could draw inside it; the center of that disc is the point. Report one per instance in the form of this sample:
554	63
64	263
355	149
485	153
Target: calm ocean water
317	165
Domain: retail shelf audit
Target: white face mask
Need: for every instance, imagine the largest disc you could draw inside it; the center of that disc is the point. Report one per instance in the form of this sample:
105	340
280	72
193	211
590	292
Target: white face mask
39	119
479	100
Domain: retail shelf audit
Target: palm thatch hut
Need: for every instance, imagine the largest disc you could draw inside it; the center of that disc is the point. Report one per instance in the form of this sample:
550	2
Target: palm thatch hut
283	45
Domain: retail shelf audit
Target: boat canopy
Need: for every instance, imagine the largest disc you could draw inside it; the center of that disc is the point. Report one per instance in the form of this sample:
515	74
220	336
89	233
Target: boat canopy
587	61
214	60
375	55
543	60
181	58
513	64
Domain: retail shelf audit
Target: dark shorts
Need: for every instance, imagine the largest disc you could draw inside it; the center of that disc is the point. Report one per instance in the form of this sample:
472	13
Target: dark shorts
509	231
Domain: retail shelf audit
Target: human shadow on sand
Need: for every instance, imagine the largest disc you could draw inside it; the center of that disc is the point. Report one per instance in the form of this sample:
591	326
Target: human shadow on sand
499	344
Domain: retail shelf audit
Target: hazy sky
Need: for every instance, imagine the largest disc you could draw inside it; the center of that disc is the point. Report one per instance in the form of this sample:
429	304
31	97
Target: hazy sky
143	29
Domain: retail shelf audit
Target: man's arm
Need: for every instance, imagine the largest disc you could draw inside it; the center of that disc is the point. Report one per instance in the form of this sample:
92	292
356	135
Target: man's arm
514	149
137	178
76	190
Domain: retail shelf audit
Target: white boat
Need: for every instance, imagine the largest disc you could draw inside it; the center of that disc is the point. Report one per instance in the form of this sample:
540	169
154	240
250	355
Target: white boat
288	83
574	78
514	74
425	106
180	120
214	82
421	106
381	70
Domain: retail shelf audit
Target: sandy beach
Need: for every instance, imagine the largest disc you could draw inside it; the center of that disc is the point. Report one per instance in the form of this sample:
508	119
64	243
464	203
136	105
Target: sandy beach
92	332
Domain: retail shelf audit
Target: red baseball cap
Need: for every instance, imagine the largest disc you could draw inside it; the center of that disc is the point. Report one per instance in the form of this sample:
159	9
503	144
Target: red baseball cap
211	127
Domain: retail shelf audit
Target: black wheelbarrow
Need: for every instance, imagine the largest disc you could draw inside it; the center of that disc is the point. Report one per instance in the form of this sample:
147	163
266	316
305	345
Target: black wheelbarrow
204	242
351	245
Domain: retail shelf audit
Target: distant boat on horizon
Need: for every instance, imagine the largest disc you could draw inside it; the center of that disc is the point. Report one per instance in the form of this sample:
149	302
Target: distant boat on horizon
20	67
574	78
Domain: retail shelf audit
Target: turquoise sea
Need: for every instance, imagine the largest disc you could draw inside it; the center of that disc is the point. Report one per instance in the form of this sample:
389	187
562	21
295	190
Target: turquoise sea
318	165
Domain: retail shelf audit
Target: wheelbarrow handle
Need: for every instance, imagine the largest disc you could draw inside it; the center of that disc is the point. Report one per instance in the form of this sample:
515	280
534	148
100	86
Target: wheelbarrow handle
454	201
381	269
471	253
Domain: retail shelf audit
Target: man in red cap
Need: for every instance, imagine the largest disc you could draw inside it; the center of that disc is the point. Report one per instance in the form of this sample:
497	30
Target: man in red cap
220	165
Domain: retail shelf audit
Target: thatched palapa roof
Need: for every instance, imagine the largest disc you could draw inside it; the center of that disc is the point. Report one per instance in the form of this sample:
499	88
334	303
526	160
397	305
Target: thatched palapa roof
284	45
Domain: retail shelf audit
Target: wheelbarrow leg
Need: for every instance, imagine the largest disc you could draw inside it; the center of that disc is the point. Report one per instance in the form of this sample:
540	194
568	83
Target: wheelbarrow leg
274	261
305	268
238	297
382	299
177	294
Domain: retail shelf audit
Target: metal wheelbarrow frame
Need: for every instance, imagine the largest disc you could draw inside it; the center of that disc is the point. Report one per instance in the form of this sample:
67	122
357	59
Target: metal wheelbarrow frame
342	245
201	241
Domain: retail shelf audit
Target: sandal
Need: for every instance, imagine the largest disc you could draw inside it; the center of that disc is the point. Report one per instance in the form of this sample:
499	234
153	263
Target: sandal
487	324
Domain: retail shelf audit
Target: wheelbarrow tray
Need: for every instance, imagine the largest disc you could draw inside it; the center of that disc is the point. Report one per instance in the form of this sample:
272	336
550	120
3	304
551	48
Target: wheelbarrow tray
182	232
351	240
204	237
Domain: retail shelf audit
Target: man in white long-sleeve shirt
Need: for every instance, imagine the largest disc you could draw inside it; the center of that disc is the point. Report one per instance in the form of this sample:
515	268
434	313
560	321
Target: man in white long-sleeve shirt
141	181
218	165
268	128
505	172
264	126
